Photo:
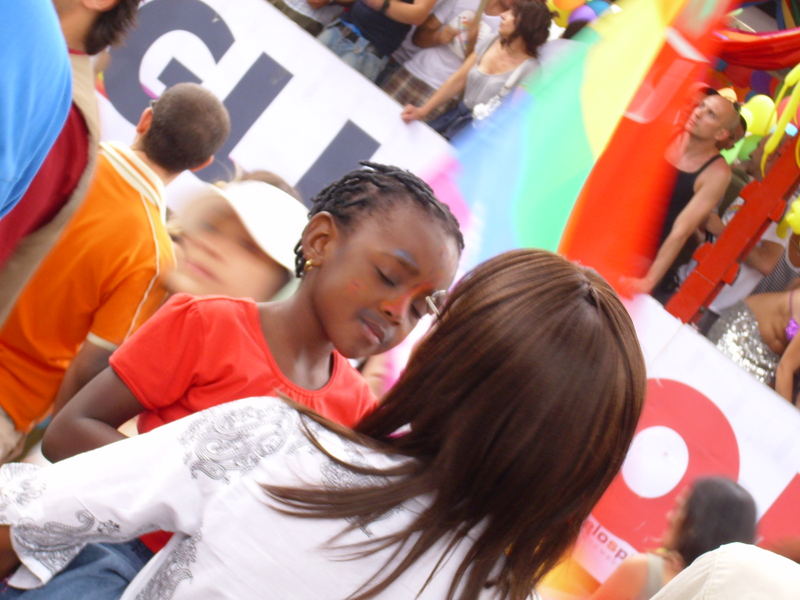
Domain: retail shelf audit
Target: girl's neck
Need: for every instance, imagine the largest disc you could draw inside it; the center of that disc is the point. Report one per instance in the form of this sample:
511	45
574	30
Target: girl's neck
297	341
687	152
517	50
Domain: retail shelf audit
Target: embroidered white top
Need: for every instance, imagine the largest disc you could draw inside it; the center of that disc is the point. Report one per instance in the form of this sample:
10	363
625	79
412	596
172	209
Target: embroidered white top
199	477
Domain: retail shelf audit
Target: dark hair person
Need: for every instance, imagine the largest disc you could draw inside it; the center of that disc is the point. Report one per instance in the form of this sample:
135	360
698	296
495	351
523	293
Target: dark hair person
494	68
360	194
111	25
188	124
100	24
713	512
472	478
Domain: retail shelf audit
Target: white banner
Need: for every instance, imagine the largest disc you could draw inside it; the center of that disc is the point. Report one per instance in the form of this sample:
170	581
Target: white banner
296	109
703	416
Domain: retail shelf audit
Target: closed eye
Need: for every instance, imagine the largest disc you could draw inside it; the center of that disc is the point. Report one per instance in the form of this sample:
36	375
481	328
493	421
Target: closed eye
385	279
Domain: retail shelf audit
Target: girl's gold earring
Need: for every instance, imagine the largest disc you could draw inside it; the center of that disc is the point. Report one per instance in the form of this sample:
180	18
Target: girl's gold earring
309	264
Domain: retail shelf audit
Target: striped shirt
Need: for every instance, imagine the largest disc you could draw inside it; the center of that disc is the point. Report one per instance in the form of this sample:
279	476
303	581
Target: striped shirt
99	282
780	276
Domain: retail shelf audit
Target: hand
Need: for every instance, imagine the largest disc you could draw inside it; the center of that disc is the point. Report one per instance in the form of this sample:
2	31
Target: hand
412	113
446	34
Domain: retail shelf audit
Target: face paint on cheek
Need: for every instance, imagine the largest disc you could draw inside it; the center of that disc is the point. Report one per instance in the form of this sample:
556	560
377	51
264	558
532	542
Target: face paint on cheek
354	287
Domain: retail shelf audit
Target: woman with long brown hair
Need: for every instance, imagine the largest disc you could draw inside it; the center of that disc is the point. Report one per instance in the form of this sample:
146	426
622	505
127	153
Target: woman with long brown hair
469	481
493	69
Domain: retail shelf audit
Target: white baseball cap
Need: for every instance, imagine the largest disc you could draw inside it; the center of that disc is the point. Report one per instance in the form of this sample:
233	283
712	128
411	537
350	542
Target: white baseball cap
273	218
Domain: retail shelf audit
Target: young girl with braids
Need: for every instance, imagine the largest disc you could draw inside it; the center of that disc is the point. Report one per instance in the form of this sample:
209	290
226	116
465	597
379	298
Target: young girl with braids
504	453
377	247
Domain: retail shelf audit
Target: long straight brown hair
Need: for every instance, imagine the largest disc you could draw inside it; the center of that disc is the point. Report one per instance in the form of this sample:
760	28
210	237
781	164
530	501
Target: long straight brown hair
519	407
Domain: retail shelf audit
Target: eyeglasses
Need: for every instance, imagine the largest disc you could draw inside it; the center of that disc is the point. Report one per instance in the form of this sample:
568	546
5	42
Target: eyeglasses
435	302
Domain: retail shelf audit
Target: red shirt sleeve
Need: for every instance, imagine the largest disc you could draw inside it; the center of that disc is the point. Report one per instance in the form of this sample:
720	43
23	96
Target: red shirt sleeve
158	363
52	187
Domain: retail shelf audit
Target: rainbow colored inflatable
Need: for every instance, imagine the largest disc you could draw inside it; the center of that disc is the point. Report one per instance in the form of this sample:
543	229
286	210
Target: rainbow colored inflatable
604	107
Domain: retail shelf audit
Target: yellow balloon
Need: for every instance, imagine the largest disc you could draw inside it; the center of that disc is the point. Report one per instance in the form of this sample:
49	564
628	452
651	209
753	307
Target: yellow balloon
792	218
763	110
729	94
748	118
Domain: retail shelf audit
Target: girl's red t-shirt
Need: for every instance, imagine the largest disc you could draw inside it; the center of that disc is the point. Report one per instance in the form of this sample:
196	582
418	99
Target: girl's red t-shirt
195	353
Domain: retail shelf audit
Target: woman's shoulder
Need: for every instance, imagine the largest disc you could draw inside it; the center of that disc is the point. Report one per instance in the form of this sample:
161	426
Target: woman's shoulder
641	561
246	416
483	45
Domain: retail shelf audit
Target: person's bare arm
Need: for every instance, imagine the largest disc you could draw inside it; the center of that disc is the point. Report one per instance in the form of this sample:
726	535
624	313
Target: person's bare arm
690	218
88	362
414	13
787	366
8	558
432	33
454	85
627	582
91	418
321	3
714	224
764	256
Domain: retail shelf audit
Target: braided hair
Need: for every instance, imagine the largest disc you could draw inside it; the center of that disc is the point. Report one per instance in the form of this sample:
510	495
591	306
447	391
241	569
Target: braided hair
377	187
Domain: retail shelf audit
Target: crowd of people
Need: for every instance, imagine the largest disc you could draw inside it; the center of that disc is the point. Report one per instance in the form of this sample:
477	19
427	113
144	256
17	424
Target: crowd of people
238	334
752	320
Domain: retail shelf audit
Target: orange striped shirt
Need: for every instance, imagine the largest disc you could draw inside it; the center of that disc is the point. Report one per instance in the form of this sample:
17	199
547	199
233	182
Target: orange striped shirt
99	282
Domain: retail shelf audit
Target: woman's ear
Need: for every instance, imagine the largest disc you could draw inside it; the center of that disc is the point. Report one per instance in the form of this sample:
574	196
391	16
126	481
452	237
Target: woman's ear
320	237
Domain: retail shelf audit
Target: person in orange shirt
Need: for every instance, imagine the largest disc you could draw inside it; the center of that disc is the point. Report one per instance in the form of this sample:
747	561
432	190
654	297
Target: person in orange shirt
101	279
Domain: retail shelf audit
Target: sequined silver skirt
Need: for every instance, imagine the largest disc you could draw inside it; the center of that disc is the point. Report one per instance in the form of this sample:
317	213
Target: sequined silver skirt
736	334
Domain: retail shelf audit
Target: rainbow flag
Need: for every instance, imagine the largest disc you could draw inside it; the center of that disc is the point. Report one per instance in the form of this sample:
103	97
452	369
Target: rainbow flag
520	179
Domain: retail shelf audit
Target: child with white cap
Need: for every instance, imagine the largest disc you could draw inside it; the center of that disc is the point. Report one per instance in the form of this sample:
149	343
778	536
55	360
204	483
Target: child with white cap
238	241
